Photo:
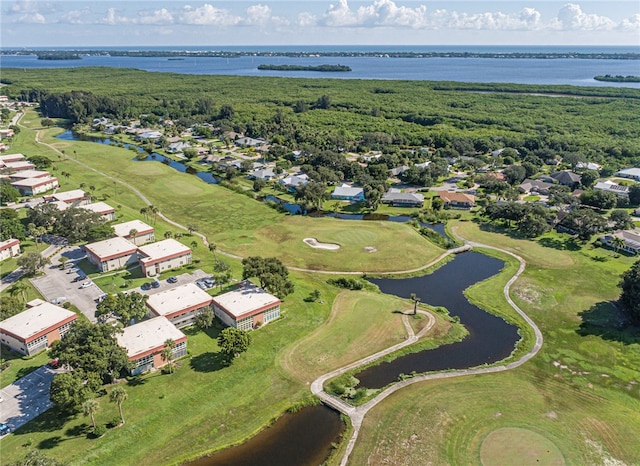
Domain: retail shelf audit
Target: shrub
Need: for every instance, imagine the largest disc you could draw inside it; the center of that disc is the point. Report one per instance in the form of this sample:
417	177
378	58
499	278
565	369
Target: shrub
348	283
99	431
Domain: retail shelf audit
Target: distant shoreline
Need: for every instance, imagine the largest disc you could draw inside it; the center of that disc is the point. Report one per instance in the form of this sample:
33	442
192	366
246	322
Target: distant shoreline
355	53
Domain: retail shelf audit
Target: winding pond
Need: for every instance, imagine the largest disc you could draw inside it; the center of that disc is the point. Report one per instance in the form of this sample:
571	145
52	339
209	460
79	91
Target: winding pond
490	338
306	437
300	439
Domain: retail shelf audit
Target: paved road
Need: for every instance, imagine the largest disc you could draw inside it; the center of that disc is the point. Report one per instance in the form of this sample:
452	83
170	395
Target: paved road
17	274
26	398
183	279
56	283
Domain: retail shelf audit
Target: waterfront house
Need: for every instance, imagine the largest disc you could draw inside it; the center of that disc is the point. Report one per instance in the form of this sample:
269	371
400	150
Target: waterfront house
609	186
457	200
246	308
344	192
399	199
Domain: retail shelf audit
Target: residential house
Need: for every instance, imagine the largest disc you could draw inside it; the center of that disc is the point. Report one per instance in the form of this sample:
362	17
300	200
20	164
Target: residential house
457	200
28	173
180	304
112	253
632	173
423	165
609	186
246	308
151	135
399	199
249	142
34	186
75	197
6	133
567	178
630	240
345	192
265	174
399	170
144	343
9	248
292	182
179	146
11	158
155	258
588	166
107	212
530	186
135	231
35	329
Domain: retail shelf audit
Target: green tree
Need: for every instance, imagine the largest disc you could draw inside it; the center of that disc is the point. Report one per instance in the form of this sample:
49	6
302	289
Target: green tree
192	227
599	199
634	194
36	458
323	102
123	307
8	193
19	288
119	395
91	348
258	184
373	196
621	219
32	262
167	354
271	272
617	244
10	225
630	297
514	174
588	178
222	273
36	232
204	317
100	232
313	194
47	122
416	299
75	224
9	306
90	408
71	389
585	222
233	342
168	234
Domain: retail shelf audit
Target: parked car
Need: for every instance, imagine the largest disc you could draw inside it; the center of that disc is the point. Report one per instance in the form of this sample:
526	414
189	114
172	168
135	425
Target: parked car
208	281
53	364
201	284
155	284
59	300
4	429
78	278
145	286
86	284
100	298
172	280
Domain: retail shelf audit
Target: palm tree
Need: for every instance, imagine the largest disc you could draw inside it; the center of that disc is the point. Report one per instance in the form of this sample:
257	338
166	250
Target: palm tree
133	232
92	188
35	232
144	211
19	288
194	244
177	235
118	395
416	299
83	185
154	210
192	227
617	243
167	353
90	408
168	234
212	248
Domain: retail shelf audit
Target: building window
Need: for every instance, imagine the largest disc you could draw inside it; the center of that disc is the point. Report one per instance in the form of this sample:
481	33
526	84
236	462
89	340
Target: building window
145	360
245	324
271	314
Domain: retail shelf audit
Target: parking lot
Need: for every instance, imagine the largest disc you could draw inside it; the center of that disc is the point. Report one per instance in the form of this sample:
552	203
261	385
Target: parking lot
58	283
27	397
183	279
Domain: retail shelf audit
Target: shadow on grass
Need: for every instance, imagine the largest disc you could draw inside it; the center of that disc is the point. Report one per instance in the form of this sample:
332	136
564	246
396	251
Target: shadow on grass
50	443
77	431
209	362
49	421
605	320
26	371
562	244
136	381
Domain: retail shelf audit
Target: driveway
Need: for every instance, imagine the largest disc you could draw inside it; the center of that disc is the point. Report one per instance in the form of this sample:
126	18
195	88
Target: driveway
58	283
27	397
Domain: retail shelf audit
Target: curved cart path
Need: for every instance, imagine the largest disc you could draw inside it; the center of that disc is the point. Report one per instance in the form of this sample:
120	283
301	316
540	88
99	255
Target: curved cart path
357	413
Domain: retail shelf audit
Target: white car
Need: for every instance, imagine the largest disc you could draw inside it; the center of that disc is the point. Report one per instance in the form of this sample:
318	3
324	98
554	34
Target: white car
86	284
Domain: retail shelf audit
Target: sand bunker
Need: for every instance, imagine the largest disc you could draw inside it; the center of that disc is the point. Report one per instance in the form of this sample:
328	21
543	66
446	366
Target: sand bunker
314	243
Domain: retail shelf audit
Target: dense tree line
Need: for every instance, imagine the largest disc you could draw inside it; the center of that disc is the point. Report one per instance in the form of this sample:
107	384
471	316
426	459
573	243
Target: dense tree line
75	224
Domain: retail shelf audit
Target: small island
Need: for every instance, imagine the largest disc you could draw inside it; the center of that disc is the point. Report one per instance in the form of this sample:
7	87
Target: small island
324	68
59	56
618	79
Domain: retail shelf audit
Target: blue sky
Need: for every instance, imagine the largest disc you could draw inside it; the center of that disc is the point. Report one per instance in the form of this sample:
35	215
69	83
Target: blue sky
33	23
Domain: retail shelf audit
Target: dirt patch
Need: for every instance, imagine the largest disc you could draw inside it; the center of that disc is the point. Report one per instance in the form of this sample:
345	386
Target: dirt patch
370	249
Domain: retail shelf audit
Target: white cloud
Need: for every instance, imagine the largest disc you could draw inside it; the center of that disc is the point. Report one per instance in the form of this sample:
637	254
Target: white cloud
631	24
381	13
31	6
207	15
112	18
75	17
257	15
161	16
339	15
571	17
33	18
527	19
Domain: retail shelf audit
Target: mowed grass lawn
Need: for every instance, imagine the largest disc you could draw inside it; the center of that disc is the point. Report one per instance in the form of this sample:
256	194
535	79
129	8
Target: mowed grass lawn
361	323
239	224
580	392
397	246
201	407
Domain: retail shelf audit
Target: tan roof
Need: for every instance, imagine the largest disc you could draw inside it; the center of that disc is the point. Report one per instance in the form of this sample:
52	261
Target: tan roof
245	300
112	247
162	249
123	229
180	298
70	196
448	196
98	207
35	320
31	182
148	336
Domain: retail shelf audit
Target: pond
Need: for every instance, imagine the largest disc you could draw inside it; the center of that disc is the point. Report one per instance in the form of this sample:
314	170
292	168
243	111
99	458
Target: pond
300	439
490	338
207	177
